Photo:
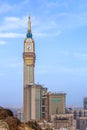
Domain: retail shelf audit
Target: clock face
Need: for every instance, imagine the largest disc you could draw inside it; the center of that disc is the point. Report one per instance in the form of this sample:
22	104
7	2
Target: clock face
29	47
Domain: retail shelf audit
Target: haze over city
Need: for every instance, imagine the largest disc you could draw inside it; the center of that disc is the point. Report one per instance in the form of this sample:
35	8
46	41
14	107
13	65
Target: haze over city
59	30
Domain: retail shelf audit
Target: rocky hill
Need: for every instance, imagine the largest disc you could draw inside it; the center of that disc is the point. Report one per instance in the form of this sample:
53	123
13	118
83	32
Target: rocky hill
9	122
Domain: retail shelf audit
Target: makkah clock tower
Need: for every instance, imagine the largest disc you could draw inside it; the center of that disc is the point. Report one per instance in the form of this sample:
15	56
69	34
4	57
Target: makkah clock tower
37	102
29	57
29	63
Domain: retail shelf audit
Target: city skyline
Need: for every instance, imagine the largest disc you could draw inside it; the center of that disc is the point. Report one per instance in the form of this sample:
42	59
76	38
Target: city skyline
59	31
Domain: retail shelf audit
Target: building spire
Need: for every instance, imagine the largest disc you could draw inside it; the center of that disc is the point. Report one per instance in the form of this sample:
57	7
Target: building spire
29	34
29	25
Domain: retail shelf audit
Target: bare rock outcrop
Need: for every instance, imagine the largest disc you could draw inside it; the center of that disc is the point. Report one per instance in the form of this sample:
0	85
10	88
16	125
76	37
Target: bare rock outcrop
10	122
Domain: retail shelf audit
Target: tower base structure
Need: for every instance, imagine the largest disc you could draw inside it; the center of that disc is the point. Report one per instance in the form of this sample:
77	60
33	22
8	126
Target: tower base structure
34	104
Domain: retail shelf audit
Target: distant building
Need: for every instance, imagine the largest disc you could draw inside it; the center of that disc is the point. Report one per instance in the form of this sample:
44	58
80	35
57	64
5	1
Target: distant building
59	122
85	103
78	112
63	121
80	115
82	123
20	114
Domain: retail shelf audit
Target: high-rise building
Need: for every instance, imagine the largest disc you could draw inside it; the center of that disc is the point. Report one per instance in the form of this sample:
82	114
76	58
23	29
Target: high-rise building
33	93
38	103
85	103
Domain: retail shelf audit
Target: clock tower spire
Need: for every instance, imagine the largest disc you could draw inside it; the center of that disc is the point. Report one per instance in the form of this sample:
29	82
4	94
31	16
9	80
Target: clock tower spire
29	34
29	25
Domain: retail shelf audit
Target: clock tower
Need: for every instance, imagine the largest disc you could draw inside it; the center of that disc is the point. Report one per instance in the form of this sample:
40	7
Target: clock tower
29	57
29	63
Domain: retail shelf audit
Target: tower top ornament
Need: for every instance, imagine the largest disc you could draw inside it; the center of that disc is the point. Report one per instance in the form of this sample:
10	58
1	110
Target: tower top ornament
29	34
29	24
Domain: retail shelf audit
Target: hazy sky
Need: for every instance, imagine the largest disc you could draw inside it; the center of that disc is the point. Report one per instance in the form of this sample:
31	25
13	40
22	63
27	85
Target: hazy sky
59	29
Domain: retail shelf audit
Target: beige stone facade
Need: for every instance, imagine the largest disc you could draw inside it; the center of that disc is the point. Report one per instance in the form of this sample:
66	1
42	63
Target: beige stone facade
56	103
63	121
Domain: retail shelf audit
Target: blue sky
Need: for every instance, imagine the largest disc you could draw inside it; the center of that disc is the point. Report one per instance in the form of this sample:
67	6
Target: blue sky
59	29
